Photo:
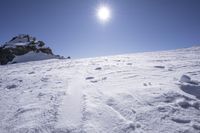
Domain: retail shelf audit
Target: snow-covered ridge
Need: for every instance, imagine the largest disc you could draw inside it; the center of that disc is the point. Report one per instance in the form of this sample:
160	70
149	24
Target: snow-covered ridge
22	46
20	40
154	92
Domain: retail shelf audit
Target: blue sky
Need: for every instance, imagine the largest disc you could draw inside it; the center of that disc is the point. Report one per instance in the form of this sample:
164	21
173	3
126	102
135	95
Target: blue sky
70	27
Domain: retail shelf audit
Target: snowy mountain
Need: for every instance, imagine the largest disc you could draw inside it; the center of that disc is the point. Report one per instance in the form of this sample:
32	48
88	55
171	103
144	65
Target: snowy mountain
23	48
153	92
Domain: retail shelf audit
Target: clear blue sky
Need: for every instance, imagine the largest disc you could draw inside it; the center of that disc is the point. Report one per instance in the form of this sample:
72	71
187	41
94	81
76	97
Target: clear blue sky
70	27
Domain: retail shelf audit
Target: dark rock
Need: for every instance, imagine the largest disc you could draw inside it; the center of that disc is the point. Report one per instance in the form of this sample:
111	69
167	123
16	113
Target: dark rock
20	45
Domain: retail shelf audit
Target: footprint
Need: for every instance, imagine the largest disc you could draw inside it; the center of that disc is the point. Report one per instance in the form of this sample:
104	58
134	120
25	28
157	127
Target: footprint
11	86
31	73
98	68
44	79
104	78
40	95
195	126
196	105
191	89
49	69
184	104
110	102
187	79
162	67
145	84
131	126
117	60
129	64
94	81
162	109
179	120
170	69
188	103
179	100
172	97
138	125
88	78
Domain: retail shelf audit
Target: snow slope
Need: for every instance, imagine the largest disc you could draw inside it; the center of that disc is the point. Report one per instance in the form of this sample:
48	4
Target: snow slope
32	56
154	92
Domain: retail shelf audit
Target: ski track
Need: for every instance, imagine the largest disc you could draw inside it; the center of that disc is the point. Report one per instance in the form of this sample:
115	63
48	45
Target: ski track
139	93
71	110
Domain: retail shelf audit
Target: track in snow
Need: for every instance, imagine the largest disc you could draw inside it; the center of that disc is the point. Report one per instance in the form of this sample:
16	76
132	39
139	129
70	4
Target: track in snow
71	110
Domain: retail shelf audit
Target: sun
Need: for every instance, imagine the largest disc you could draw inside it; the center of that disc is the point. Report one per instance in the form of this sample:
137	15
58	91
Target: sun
103	13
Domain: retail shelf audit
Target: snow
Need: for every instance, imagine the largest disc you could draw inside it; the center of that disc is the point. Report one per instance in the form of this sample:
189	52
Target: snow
21	39
32	56
154	92
13	45
70	113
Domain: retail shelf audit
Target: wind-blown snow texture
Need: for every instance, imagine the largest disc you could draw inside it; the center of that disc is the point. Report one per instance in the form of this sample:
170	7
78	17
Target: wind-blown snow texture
155	92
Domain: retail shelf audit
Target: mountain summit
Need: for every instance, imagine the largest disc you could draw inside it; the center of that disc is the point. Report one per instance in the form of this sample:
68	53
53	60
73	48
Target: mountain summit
23	48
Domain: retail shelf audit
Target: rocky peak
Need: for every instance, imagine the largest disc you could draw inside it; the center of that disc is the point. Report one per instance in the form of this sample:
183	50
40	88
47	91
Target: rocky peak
22	38
21	45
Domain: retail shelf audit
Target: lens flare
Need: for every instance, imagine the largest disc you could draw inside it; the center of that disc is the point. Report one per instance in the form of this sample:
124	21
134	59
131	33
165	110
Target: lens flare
103	13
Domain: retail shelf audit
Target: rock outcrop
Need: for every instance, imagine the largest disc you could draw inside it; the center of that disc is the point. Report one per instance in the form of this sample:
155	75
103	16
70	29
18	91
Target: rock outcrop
22	45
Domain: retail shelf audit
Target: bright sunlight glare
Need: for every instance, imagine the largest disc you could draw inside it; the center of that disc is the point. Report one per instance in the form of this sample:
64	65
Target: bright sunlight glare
103	13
